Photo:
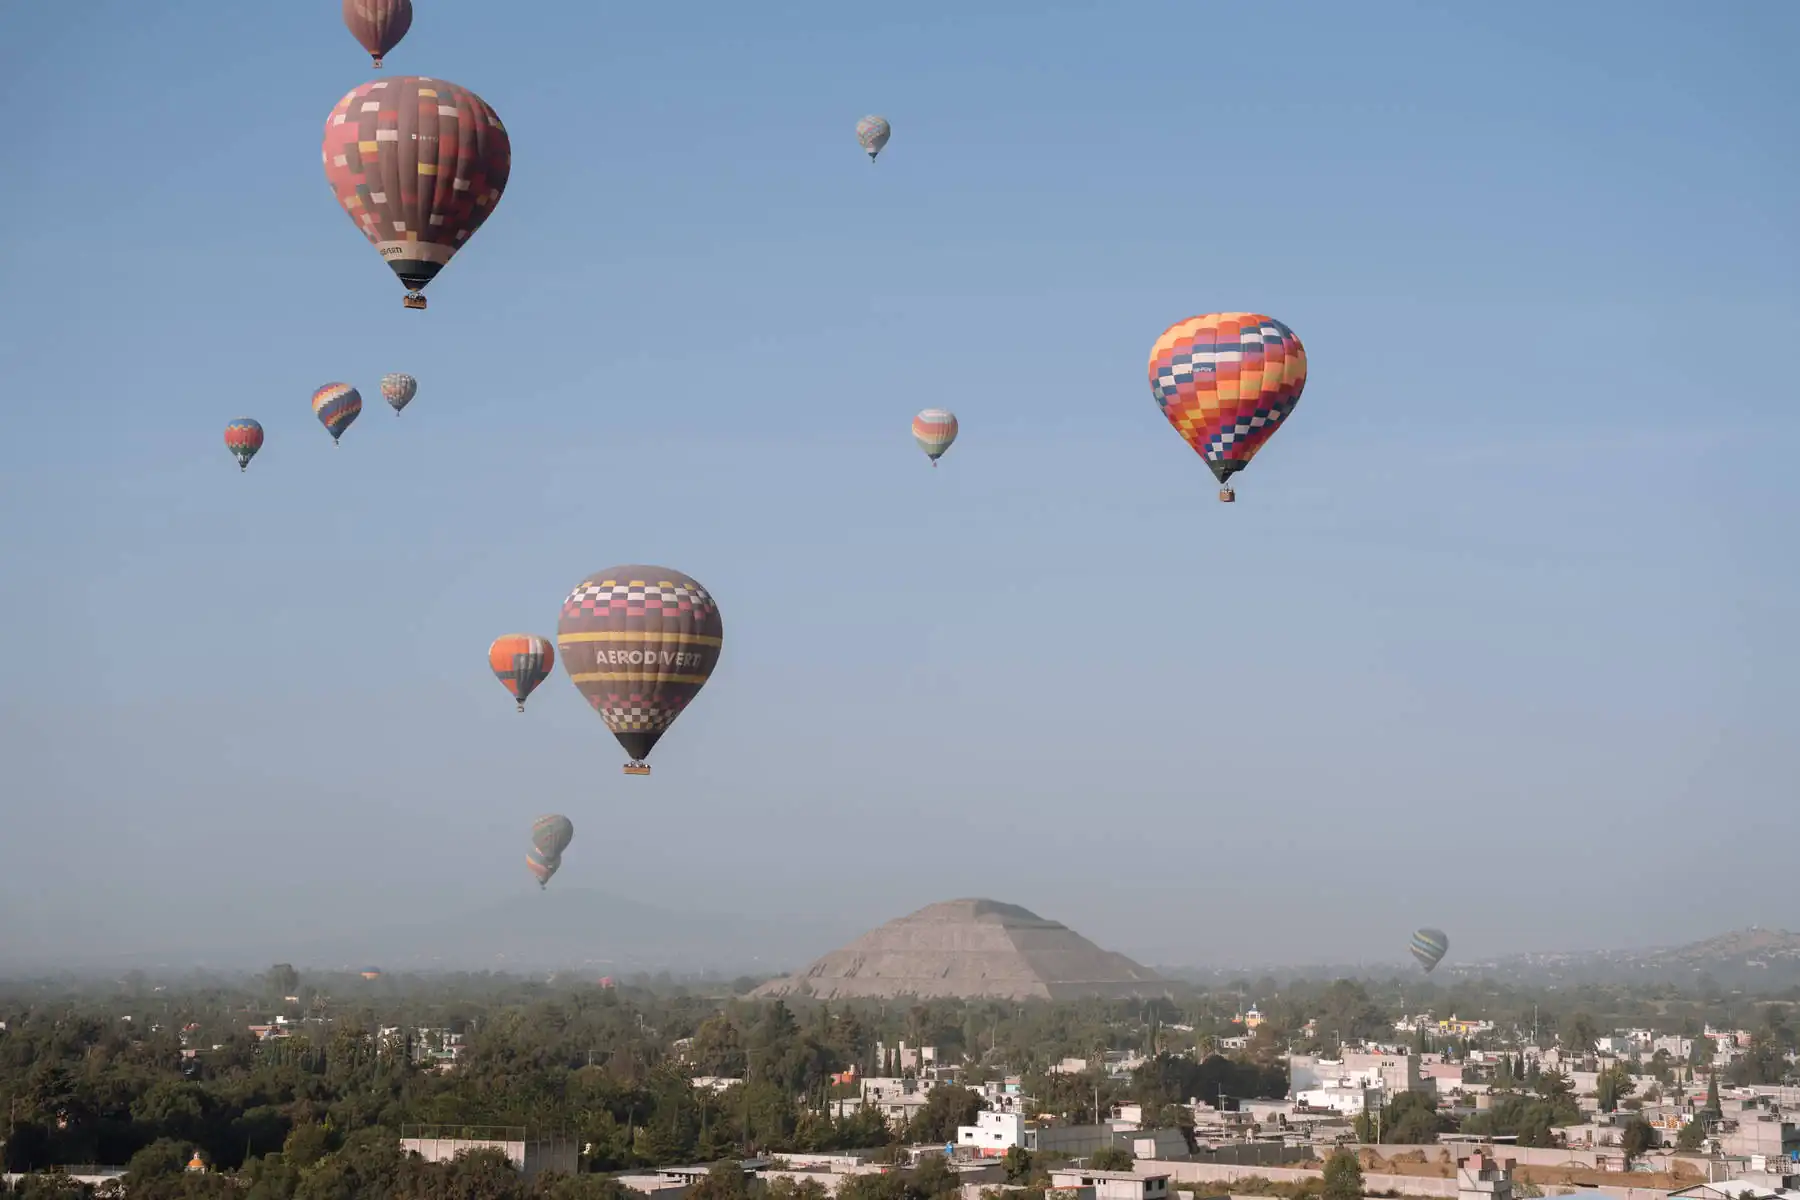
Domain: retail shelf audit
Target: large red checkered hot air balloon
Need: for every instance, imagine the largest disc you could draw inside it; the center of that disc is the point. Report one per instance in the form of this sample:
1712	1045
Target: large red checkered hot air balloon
378	24
1226	381
419	164
639	643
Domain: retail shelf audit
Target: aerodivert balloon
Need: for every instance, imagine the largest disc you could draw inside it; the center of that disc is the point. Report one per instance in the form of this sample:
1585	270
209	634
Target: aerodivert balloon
639	643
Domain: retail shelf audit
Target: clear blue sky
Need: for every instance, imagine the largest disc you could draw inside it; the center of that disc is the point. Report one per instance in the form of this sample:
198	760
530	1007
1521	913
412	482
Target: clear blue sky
1498	638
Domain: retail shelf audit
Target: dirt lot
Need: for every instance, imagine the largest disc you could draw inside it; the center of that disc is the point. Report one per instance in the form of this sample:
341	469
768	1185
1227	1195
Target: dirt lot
1405	1163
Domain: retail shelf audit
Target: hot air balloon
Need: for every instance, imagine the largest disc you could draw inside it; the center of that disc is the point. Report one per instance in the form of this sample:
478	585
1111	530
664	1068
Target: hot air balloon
934	430
542	866
639	643
371	972
336	405
1429	946
378	24
398	390
418	164
244	437
551	835
521	661
1226	381
872	133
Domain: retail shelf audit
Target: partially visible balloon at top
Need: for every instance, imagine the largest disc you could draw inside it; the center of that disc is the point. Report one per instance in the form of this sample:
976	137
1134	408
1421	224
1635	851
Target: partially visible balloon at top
872	134
398	390
378	24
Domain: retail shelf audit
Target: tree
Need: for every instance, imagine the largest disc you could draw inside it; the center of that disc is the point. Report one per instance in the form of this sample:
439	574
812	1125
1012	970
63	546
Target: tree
1638	1137
1692	1136
1111	1158
946	1108
1712	1108
1017	1164
1614	1084
1343	1177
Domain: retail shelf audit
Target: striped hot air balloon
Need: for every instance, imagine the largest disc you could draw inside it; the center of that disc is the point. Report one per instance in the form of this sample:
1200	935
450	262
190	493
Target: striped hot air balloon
1226	381
336	405
639	643
521	661
398	390
934	430
542	866
244	437
1429	946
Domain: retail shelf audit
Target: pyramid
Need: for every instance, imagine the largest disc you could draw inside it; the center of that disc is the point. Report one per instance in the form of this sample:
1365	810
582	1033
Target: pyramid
970	949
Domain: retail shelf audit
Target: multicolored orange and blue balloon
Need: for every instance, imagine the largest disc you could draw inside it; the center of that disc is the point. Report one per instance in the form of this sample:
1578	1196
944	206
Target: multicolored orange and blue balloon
1226	381
336	405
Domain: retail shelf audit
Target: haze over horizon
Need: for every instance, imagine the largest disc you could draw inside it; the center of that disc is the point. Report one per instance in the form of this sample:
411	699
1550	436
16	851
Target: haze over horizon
1498	638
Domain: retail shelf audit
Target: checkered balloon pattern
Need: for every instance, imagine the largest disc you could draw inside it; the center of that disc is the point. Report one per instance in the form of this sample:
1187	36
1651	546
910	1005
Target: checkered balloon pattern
639	643
418	164
244	437
336	405
1226	382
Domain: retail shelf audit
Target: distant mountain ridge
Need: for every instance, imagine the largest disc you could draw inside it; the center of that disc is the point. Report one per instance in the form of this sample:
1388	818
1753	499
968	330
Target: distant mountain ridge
1755	957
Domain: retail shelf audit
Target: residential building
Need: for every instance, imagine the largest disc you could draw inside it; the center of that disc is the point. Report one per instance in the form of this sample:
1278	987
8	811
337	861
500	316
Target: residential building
528	1155
1106	1185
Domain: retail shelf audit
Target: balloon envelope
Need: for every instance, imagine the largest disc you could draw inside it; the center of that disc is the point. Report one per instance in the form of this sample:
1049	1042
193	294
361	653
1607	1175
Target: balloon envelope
398	390
336	405
541	865
872	133
521	661
551	835
243	437
1429	946
934	430
378	24
418	164
639	643
1226	382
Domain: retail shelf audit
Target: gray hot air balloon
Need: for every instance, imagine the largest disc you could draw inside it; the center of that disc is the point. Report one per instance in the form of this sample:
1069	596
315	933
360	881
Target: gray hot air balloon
872	134
1429	946
551	835
398	390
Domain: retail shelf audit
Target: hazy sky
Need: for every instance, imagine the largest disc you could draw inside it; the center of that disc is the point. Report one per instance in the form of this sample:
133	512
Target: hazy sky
1498	636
